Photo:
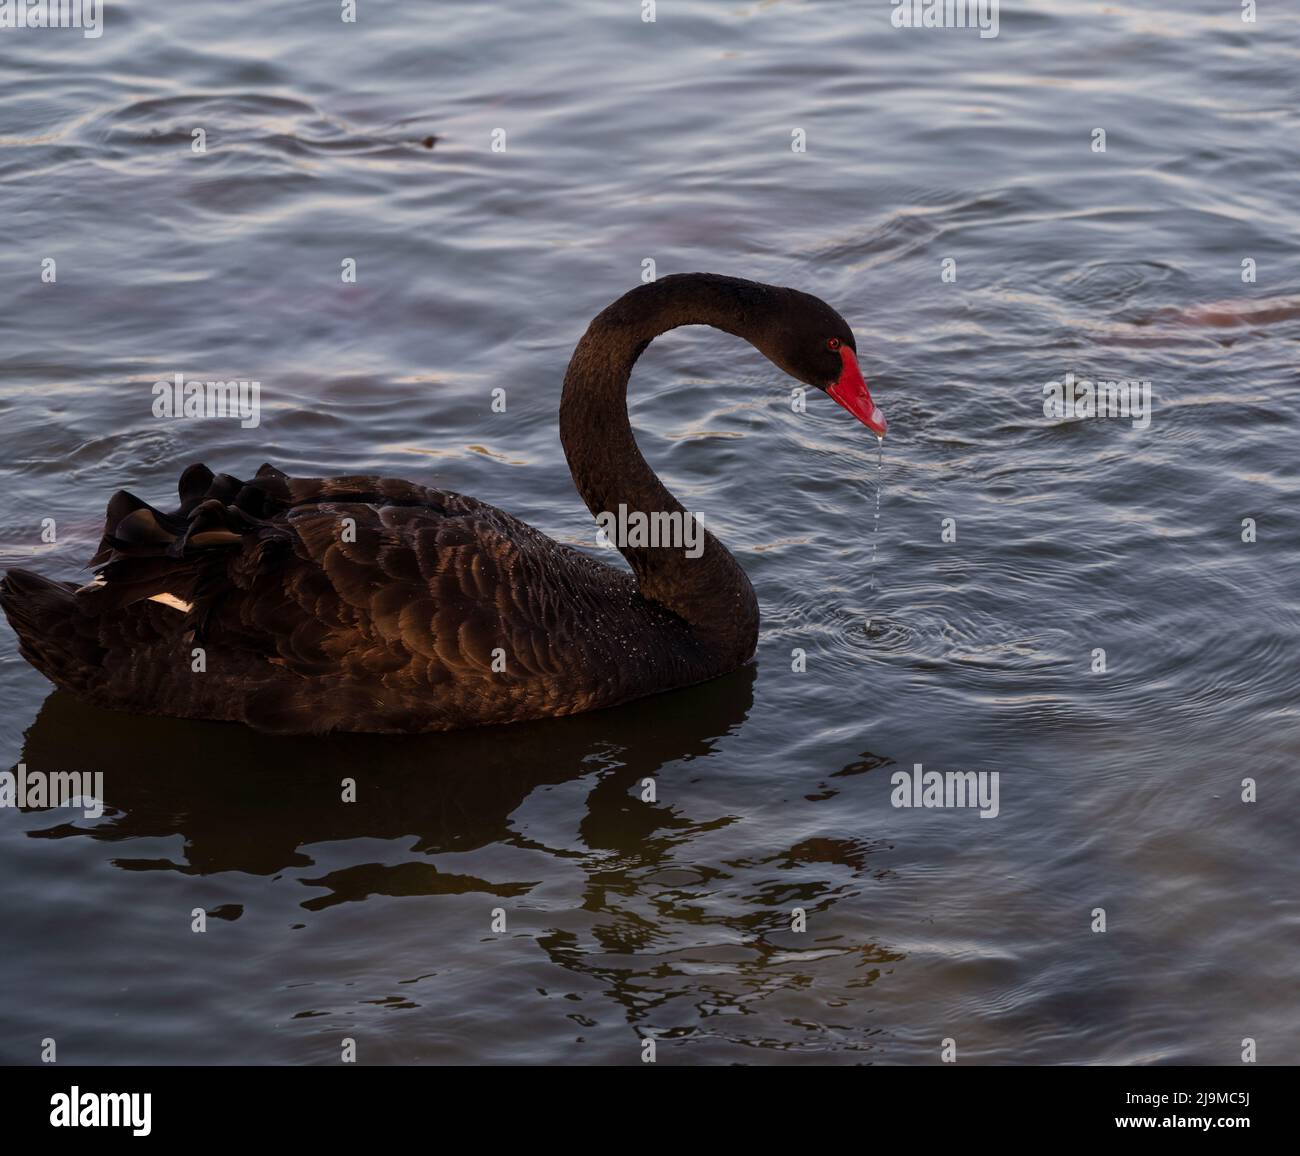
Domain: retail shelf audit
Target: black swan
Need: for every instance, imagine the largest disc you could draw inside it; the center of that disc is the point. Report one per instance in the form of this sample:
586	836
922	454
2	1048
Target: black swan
370	604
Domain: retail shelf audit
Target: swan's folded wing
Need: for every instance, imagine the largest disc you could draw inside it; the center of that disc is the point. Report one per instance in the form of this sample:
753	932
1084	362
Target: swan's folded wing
458	593
373	579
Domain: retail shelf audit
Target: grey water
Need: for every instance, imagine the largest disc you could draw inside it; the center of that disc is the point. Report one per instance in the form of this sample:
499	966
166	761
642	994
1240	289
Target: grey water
477	269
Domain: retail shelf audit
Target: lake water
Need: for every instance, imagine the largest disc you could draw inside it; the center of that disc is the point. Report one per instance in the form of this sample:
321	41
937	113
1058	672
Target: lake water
479	269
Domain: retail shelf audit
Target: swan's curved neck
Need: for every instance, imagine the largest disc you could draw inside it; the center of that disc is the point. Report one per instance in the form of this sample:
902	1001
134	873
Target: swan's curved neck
704	585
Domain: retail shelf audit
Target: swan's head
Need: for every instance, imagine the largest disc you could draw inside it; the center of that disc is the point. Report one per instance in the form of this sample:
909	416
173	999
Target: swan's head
797	332
814	344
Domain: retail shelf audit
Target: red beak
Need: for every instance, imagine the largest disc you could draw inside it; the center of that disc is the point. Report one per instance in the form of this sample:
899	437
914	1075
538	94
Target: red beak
852	393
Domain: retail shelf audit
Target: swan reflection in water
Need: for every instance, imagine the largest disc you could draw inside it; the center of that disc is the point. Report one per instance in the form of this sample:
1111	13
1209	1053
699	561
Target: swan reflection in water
650	908
244	801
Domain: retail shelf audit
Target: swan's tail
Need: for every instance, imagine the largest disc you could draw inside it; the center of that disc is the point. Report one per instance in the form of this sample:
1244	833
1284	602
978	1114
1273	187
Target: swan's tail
54	634
145	556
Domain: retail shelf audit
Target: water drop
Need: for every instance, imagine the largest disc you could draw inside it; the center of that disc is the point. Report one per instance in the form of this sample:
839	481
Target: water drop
875	529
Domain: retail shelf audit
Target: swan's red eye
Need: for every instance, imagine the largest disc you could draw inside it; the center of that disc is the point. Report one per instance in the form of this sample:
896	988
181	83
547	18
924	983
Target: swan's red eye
832	343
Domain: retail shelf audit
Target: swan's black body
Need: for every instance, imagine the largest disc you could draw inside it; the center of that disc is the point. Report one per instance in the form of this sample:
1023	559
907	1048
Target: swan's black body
370	604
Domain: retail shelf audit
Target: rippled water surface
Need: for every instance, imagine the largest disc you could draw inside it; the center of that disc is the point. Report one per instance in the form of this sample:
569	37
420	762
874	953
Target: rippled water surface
671	141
